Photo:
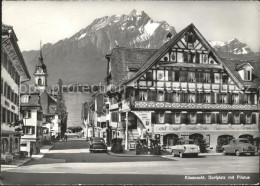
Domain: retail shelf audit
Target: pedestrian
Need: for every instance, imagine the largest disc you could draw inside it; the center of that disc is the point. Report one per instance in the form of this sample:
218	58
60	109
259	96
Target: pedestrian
66	137
31	152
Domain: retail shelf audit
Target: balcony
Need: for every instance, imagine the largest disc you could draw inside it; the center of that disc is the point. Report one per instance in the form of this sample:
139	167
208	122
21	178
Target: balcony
195	106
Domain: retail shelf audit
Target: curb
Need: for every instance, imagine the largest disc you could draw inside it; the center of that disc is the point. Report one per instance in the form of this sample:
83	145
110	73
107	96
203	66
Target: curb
131	155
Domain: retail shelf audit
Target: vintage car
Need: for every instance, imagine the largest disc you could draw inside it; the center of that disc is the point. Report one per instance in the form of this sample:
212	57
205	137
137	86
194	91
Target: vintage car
97	144
185	147
239	146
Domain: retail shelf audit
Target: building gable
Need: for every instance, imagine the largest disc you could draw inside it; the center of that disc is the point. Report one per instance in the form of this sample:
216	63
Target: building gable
188	46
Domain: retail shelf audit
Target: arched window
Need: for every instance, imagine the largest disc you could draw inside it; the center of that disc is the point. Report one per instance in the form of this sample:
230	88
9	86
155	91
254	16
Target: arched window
170	139
39	81
196	137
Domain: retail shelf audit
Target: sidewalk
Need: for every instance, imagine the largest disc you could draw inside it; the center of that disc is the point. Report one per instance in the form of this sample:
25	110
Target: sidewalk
164	154
21	162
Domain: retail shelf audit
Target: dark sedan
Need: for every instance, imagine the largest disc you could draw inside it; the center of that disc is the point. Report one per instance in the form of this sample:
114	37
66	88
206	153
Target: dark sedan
97	145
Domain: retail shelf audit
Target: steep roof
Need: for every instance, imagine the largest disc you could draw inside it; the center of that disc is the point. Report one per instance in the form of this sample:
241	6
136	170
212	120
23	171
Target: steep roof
34	100
158	54
46	101
125	59
233	64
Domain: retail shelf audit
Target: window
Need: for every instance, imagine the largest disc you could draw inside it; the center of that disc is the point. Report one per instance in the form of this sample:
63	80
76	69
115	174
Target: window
161	117
216	77
207	98
24	98
192	118
191	77
183	76
160	96
29	130
114	117
225	78
191	98
39	81
173	57
176	97
223	98
171	75
27	114
142	95
197	58
178	118
207	118
248	118
205	58
160	75
206	77
235	98
3	115
224	117
248	75
185	57
149	76
180	57
236	118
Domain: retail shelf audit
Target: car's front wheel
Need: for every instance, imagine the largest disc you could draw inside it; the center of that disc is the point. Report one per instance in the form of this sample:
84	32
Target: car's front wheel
181	155
173	154
195	155
224	152
252	153
237	153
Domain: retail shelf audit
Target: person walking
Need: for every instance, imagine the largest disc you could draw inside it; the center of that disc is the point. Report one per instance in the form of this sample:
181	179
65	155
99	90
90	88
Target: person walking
66	137
31	152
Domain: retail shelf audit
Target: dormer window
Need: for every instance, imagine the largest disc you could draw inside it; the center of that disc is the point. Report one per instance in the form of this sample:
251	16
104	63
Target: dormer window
248	75
245	71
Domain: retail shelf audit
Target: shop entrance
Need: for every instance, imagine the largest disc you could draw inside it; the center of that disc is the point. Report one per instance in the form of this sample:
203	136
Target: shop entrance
170	139
196	137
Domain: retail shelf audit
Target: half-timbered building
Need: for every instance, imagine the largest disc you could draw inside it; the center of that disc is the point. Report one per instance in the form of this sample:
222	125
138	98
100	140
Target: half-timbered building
184	89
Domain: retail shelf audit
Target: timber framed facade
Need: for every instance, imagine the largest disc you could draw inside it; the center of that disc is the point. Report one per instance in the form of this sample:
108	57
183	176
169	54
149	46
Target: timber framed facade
182	90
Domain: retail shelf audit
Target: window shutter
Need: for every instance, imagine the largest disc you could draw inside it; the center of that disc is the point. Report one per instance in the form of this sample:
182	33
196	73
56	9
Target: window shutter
172	118
252	99
184	118
153	118
150	95
33	130
170	75
212	77
197	76
230	121
198	100
218	118
241	98
213	118
242	118
168	118
137	95
253	118
177	76
213	97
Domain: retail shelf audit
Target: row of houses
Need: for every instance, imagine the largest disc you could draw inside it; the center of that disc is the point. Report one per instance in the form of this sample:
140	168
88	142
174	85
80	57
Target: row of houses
184	89
28	113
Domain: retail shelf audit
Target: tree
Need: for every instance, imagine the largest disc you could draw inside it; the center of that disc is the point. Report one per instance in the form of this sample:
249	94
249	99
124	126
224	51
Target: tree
62	109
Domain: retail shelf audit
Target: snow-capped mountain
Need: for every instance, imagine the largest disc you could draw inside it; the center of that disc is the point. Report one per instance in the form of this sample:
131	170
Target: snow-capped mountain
80	58
82	55
233	46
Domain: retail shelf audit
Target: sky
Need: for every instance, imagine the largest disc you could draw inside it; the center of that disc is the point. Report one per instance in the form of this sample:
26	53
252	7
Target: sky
53	21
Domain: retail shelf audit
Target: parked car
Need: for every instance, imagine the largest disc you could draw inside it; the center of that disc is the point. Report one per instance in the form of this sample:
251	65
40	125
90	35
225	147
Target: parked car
239	146
97	144
185	147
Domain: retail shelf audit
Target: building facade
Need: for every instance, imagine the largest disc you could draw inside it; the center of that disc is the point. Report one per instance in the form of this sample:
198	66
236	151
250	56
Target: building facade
182	90
13	72
31	110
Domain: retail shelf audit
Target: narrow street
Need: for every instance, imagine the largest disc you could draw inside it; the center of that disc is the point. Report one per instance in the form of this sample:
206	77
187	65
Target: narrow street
70	162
